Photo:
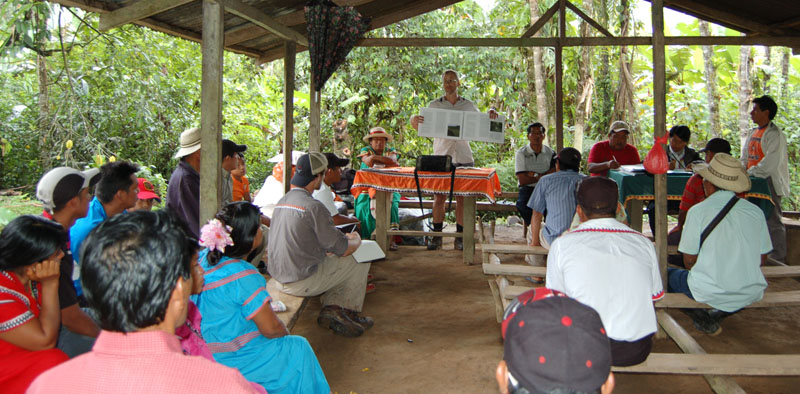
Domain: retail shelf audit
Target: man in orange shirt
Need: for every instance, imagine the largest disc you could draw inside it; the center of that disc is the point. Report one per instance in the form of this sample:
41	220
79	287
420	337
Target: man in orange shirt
764	155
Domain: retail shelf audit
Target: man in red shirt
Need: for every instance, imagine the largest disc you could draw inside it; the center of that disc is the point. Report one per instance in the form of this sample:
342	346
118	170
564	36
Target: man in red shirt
614	152
693	193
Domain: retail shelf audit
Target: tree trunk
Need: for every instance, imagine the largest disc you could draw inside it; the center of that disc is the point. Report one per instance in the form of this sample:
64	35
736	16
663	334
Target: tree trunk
604	82
787	54
46	147
767	67
539	72
710	71
585	83
745	92
624	104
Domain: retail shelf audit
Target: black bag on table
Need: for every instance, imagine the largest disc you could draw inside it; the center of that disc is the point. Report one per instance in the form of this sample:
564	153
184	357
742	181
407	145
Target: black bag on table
435	163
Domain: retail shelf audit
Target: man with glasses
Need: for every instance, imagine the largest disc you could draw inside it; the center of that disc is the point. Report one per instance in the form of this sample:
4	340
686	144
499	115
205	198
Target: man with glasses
459	150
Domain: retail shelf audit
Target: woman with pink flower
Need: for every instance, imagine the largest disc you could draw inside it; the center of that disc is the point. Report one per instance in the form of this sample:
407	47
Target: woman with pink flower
238	324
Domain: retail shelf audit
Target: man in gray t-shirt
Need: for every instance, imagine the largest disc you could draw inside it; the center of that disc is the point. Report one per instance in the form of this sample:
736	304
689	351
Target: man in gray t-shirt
302	235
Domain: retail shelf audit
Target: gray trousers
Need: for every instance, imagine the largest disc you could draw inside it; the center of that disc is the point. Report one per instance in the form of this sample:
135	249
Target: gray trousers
777	231
340	280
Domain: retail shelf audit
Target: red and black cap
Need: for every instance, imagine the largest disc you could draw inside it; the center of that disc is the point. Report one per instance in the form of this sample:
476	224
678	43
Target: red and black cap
555	342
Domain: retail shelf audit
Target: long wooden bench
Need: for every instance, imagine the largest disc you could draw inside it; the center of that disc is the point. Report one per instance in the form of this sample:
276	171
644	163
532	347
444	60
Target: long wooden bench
718	364
527	270
771	299
294	305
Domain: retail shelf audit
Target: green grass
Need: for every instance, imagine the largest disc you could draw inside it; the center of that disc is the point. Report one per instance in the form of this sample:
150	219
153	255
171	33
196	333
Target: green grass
13	206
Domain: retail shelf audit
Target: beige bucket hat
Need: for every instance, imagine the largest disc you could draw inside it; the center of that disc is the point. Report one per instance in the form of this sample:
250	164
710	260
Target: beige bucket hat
190	142
724	172
377	132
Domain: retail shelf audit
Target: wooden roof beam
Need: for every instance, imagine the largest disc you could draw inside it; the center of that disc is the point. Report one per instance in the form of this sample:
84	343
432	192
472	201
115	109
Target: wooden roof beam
541	21
421	7
788	23
588	19
263	20
726	18
136	11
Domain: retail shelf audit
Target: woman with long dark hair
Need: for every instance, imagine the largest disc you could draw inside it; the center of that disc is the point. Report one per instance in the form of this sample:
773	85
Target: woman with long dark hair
238	324
30	254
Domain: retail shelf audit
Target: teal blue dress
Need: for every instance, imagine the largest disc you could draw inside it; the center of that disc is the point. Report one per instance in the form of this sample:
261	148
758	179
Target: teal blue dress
234	292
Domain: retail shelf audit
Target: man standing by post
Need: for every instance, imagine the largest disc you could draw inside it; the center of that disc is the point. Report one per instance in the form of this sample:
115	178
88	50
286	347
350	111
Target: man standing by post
458	150
183	192
532	162
764	155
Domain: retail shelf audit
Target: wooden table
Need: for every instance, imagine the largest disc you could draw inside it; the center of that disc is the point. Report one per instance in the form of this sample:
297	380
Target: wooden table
636	188
469	183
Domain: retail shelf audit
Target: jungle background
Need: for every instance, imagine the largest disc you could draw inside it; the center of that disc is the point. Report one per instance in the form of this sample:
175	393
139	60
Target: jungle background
74	96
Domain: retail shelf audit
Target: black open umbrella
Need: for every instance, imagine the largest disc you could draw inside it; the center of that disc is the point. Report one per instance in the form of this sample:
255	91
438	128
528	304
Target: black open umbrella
332	33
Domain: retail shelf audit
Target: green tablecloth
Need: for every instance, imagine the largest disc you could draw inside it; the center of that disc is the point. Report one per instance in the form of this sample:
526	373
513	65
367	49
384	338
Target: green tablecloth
640	186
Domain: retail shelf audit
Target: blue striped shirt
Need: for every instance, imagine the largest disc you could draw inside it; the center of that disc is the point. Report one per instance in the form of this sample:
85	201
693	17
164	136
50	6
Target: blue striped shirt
555	194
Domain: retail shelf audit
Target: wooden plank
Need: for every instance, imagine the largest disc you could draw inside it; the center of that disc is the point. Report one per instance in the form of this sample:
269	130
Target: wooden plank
314	119
720	16
288	110
211	110
718	364
480	206
408	11
589	19
788	271
529	32
418	233
514	270
513	249
512	292
383	203
771	299
138	10
659	128
719	384
294	305
498	300
635	210
468	236
261	19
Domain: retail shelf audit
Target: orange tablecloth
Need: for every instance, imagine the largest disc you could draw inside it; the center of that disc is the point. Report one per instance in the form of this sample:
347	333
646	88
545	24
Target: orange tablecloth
470	182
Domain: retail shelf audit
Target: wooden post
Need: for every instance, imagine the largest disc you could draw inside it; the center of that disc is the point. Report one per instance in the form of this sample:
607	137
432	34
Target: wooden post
562	33
288	112
383	203
314	121
211	110
468	237
659	128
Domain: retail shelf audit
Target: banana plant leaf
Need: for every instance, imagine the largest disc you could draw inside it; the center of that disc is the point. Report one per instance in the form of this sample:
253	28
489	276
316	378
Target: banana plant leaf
332	34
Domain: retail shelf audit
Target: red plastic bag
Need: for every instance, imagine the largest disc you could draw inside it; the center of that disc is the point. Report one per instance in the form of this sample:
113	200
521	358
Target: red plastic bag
656	161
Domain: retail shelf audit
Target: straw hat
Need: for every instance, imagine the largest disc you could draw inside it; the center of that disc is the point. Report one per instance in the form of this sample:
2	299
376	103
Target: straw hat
724	172
190	142
377	132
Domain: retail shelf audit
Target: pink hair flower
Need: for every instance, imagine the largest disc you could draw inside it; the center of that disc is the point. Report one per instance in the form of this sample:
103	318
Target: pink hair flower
215	235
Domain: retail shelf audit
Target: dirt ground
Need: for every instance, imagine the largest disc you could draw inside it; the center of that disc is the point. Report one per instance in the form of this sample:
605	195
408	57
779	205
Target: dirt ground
435	332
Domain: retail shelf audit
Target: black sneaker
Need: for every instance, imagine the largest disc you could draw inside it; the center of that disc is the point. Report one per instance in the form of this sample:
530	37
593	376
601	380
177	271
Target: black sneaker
363	321
703	321
337	319
458	244
434	243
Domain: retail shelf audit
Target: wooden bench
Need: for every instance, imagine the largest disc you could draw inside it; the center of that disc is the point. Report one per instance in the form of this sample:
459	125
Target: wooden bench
771	299
294	305
718	364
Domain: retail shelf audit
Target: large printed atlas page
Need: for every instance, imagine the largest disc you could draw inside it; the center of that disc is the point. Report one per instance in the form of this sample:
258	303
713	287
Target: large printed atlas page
462	125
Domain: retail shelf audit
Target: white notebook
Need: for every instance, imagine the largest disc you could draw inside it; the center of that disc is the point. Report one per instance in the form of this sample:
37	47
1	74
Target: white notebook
368	251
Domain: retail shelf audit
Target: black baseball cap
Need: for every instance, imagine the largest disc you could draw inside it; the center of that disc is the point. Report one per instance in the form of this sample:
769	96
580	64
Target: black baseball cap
309	166
230	148
336	161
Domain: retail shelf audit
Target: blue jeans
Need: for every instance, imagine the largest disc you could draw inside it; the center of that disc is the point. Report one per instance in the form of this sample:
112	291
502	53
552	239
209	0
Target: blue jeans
522	204
677	281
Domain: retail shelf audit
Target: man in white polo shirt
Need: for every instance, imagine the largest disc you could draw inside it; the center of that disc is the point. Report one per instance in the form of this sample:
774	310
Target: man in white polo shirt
611	268
459	150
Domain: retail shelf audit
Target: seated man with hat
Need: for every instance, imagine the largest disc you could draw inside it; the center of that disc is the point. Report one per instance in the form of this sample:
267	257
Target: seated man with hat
613	152
377	155
309	256
723	259
553	344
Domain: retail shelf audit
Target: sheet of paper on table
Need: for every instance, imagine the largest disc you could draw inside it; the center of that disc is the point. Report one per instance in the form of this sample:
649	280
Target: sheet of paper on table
633	168
368	251
462	125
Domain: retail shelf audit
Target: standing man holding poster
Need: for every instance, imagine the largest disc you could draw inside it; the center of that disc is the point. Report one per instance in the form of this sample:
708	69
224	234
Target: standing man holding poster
459	150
